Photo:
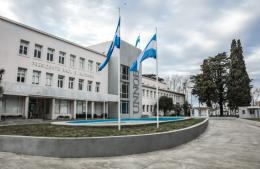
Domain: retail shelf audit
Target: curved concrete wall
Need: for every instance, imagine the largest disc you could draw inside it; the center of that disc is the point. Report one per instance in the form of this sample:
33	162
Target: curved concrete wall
99	146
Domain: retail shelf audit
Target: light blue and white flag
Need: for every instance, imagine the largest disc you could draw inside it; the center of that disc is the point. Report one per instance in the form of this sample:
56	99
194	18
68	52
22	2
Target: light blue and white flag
114	43
148	52
137	41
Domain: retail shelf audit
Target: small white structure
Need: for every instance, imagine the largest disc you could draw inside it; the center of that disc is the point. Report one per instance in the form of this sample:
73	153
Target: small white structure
200	112
249	112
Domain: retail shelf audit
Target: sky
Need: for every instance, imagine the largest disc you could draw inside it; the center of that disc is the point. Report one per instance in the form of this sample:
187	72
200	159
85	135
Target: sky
188	30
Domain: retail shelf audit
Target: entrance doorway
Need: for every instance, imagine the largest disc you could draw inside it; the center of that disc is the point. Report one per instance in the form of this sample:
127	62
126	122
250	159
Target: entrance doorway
38	108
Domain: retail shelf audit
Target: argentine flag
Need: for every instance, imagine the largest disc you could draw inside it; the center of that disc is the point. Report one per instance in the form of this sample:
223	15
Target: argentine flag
148	52
114	43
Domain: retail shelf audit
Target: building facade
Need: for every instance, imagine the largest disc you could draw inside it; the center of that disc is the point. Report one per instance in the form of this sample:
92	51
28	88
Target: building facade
249	112
149	94
49	77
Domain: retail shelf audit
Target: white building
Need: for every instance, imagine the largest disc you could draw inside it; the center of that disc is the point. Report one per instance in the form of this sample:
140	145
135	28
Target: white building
200	112
47	76
149	94
249	112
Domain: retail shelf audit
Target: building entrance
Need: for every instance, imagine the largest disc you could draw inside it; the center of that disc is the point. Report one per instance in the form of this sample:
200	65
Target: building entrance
38	108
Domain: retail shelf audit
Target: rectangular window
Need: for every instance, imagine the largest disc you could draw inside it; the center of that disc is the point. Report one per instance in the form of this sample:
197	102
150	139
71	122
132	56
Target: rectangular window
49	77
97	87
62	57
151	108
50	54
24	45
124	72
125	107
147	108
143	92
81	84
37	51
147	93
60	81
124	90
151	94
82	63
71	82
89	87
154	94
72	60
97	66
36	77
143	108
21	75
90	65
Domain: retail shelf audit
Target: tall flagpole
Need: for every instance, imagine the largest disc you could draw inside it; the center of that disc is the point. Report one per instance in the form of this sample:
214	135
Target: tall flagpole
157	85
118	84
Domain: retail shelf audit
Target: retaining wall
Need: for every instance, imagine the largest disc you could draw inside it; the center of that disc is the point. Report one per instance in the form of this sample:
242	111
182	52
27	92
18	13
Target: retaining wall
99	146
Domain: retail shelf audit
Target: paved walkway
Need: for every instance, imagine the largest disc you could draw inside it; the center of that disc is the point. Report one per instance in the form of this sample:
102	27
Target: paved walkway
226	144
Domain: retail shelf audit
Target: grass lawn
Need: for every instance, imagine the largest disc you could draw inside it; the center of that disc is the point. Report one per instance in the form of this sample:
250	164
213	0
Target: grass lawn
254	119
49	130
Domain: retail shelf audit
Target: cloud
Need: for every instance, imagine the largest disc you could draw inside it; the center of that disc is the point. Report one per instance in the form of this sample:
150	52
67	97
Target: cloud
188	31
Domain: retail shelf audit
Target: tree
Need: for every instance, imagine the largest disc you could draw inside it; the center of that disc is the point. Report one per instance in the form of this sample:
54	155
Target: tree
186	108
238	83
177	109
210	84
165	104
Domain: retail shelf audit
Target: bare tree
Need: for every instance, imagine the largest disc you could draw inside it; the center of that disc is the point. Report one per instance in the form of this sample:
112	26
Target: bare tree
255	95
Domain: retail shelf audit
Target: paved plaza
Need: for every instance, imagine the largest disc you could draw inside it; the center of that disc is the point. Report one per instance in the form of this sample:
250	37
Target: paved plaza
227	143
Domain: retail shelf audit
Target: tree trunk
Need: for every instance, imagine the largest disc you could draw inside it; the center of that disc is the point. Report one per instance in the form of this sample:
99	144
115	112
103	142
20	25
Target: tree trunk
221	108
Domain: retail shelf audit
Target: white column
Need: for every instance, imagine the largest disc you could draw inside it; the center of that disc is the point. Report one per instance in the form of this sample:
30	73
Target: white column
26	107
86	110
52	108
104	109
92	109
74	109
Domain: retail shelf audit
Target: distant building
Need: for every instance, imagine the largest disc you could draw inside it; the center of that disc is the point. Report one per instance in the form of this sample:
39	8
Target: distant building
249	112
200	112
149	94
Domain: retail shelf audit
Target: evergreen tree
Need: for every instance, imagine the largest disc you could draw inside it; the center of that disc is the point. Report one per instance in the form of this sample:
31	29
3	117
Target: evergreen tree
238	82
209	85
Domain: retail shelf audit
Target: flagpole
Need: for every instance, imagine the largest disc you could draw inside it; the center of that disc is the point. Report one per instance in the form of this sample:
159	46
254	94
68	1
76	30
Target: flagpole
157	85
118	84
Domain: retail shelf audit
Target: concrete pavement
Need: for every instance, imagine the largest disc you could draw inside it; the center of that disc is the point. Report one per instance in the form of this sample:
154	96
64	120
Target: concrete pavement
226	144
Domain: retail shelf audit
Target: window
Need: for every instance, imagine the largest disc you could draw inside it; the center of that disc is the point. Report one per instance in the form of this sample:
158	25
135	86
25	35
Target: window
90	65
72	60
81	83
147	93
62	57
124	72
97	86
151	108
124	90
97	66
36	77
71	82
82	63
60	81
154	94
147	108
23	50
50	54
89	87
143	92
143	108
125	107
49	79
151	94
21	74
243	111
37	51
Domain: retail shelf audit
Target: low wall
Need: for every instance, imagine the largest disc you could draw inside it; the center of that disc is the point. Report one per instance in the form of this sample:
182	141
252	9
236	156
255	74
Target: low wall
99	146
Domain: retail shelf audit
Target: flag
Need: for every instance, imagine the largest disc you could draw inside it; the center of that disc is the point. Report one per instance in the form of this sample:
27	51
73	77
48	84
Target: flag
114	43
137	41
148	52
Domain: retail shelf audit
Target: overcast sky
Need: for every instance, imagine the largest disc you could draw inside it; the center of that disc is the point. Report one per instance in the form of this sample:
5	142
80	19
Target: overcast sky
188	30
